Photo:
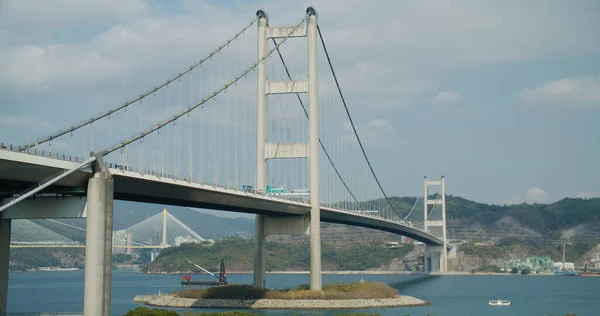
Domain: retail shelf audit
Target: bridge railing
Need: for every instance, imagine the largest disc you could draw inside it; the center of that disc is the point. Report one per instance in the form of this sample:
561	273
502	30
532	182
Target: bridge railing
64	157
42	153
298	199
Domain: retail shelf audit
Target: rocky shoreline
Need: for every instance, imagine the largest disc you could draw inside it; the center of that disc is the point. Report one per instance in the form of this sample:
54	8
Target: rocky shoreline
366	272
171	301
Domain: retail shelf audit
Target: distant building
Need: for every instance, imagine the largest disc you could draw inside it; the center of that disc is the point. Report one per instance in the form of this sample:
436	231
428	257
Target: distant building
565	266
119	241
179	240
129	243
535	264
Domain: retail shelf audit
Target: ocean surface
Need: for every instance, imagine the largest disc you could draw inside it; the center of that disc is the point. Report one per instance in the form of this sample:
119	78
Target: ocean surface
31	292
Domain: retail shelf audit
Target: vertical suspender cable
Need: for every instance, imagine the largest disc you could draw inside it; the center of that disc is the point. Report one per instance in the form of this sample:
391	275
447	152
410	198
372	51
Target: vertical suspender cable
351	122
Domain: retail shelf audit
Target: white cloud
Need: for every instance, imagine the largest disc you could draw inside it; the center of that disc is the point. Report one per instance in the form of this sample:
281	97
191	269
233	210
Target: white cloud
123	53
375	132
457	33
447	97
537	195
583	90
588	195
48	15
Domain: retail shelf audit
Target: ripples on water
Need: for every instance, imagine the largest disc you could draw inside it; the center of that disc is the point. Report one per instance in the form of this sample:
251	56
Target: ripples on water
449	295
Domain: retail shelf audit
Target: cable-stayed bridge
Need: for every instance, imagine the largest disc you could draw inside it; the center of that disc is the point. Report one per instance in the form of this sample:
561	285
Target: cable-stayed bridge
289	152
162	230
27	234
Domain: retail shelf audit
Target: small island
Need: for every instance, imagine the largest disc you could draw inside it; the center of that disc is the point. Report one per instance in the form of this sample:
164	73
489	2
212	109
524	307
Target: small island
333	296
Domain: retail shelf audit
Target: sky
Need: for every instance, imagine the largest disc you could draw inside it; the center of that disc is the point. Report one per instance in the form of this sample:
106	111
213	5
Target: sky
500	97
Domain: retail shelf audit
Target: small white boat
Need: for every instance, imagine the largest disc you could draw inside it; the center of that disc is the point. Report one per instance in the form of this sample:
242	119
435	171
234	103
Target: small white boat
499	303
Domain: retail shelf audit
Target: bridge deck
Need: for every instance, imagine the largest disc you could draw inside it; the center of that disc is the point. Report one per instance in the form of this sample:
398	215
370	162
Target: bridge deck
25	169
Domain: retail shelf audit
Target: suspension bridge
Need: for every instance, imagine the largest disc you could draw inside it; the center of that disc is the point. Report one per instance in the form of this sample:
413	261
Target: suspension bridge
162	230
289	152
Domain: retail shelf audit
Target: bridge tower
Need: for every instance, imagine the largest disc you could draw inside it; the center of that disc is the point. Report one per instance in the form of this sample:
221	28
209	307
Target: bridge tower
164	229
438	255
265	150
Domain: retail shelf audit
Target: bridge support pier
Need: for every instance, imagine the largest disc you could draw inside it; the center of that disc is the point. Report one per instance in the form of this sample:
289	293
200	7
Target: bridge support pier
434	259
259	252
425	259
98	250
4	259
270	225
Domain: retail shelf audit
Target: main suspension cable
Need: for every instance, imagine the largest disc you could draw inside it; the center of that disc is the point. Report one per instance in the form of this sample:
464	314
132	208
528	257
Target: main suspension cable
201	102
352	124
140	97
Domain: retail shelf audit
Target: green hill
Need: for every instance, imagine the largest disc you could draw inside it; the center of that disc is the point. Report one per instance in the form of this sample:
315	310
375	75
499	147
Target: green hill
546	220
239	256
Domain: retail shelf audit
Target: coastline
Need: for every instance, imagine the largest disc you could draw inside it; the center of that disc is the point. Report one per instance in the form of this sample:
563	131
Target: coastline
371	272
297	272
171	301
374	272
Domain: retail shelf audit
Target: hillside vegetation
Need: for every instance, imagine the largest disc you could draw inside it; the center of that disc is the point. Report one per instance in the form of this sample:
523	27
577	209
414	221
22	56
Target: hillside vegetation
570	218
332	291
530	247
239	255
548	220
28	258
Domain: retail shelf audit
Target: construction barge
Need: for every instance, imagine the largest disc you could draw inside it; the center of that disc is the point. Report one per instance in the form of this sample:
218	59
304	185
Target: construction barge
186	279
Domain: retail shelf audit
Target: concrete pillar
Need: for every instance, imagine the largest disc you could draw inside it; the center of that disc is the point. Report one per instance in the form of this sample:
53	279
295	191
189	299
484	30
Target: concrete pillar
313	114
435	261
425	196
261	139
98	250
426	259
4	258
259	252
444	259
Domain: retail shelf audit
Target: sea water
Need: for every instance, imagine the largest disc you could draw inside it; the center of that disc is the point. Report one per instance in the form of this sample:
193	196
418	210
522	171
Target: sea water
62	291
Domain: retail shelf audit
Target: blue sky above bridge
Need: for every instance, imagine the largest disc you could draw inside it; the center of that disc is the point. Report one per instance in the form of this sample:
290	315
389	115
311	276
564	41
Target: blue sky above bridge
503	97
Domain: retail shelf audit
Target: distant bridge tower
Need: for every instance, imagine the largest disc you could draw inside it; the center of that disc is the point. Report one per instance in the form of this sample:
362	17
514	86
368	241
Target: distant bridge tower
264	150
439	255
164	230
129	243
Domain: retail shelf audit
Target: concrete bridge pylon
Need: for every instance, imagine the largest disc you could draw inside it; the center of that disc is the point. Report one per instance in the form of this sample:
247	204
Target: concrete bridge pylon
436	257
310	150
